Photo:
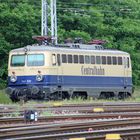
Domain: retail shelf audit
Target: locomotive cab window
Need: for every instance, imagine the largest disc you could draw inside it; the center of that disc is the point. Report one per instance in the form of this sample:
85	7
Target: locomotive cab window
35	60
17	60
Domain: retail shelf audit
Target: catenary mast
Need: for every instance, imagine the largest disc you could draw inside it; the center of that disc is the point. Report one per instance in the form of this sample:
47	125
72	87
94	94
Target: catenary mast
49	11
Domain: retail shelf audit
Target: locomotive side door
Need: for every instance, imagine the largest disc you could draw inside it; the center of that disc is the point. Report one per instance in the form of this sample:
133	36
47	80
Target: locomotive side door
56	61
126	64
59	71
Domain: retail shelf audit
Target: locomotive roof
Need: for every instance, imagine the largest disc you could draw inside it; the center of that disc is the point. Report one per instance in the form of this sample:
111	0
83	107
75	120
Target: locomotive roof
65	49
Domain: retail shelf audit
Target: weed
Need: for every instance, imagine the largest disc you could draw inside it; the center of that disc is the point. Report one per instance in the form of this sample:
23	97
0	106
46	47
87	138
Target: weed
4	98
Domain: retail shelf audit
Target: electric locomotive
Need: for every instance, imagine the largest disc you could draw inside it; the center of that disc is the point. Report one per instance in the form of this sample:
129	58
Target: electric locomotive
52	72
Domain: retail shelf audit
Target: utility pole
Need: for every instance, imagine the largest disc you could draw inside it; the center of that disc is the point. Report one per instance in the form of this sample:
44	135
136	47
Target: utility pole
44	18
49	11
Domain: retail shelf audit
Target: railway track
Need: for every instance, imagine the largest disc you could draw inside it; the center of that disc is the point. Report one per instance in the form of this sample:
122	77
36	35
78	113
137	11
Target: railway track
97	116
45	129
87	135
127	132
74	121
70	110
60	104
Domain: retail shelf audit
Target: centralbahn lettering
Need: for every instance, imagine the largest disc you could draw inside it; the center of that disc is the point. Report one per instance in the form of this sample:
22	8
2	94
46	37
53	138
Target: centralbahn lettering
92	71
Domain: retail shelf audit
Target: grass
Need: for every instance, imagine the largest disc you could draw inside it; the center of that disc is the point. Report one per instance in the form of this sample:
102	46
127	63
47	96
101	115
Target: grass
4	99
136	95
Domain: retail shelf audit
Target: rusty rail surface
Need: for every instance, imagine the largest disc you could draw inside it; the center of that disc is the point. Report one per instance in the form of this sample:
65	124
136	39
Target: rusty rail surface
70	110
14	120
124	132
45	129
71	121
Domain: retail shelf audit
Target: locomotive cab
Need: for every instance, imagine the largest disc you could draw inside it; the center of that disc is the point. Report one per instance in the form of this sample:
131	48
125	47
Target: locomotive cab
26	70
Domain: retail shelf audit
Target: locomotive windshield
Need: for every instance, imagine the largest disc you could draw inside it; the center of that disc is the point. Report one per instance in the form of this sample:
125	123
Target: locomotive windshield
35	60
32	60
18	60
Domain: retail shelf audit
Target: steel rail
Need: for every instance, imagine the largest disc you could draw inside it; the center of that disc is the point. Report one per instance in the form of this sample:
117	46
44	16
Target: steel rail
67	128
73	110
132	132
71	117
22	125
106	104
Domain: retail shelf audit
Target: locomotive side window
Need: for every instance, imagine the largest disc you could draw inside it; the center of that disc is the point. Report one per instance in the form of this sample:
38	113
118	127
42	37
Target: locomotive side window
81	59
103	59
87	59
98	60
64	58
128	63
109	60
92	59
18	60
75	57
119	60
58	59
35	60
69	58
114	59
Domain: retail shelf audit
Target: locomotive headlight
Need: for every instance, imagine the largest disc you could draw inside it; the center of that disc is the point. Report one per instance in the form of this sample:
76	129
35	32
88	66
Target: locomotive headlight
13	78
39	77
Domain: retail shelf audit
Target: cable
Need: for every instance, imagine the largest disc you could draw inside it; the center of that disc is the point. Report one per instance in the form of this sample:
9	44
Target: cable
77	10
90	11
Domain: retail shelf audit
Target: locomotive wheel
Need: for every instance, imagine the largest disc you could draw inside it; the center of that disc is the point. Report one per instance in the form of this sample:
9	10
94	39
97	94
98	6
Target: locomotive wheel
23	98
123	96
59	95
14	99
81	95
102	96
56	96
107	95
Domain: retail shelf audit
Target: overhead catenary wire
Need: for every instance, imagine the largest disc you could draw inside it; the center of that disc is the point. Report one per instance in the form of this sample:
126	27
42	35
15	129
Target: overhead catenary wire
120	2
122	9
82	11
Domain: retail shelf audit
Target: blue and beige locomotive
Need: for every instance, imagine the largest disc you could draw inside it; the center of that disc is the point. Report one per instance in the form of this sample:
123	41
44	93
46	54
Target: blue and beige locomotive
49	72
